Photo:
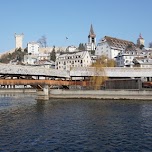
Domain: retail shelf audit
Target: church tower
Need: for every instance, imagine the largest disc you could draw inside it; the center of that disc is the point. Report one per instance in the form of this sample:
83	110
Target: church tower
91	39
140	41
18	40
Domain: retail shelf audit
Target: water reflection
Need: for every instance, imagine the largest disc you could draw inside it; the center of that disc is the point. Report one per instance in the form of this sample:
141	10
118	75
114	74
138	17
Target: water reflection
75	125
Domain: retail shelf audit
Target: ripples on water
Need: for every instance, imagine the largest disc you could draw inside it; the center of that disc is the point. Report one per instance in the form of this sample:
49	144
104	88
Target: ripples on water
74	125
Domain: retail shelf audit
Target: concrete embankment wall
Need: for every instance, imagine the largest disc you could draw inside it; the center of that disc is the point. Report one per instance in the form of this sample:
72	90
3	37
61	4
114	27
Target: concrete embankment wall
17	90
102	94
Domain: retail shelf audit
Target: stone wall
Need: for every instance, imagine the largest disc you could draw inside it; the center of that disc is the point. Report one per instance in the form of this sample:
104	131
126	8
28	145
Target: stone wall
102	94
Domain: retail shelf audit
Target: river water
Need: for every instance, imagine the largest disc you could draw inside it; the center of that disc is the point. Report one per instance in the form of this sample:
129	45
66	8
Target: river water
66	125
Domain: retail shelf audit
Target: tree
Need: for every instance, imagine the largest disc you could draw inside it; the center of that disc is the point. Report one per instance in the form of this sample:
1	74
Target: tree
43	41
26	50
97	81
81	47
150	44
141	46
129	46
104	61
53	54
17	55
5	58
93	52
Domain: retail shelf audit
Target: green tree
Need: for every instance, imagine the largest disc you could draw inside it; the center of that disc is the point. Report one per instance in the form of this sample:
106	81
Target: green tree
93	52
26	50
53	54
81	47
141	46
17	55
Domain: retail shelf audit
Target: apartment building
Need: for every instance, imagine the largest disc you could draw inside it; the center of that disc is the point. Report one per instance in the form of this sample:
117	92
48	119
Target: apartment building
75	59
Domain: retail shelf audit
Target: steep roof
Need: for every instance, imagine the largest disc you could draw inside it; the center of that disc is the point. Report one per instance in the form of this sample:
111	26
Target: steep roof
118	43
91	33
143	60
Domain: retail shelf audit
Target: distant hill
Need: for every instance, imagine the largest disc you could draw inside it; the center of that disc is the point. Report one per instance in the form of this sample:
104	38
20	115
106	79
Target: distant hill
41	49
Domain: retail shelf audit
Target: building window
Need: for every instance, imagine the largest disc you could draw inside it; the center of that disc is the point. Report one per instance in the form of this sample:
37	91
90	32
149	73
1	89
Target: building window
32	47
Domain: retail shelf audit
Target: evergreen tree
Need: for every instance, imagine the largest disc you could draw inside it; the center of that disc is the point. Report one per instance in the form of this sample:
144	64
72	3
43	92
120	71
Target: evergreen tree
53	54
141	46
93	52
81	47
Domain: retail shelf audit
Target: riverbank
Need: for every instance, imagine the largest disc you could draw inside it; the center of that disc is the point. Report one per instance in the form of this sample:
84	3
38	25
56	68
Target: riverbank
84	94
102	94
17	90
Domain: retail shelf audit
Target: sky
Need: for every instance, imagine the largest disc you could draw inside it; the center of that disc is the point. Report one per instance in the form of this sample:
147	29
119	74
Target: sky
58	19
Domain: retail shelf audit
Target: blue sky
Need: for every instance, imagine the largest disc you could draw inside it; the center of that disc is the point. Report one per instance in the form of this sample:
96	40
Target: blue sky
58	19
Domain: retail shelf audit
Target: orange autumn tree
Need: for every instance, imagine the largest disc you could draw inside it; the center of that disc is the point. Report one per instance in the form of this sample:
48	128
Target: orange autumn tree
97	81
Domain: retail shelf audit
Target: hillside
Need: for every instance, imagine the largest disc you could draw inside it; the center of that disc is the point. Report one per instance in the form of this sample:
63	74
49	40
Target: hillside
13	55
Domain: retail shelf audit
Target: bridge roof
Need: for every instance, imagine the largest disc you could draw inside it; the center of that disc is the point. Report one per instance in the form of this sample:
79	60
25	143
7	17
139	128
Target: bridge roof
111	72
8	69
32	71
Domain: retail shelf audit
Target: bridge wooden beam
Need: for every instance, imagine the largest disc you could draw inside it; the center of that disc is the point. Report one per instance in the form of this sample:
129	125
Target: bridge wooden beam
41	82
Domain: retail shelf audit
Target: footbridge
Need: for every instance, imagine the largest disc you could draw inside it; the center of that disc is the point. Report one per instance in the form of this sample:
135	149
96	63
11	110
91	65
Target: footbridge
113	72
42	78
19	70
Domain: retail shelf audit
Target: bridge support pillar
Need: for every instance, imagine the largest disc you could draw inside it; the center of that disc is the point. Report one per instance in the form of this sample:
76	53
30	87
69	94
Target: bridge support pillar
46	90
43	94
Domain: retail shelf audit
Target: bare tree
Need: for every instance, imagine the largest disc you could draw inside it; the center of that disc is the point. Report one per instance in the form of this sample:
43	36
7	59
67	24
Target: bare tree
150	44
42	41
97	81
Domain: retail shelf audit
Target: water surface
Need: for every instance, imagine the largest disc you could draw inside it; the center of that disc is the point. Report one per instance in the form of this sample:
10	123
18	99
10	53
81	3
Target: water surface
74	125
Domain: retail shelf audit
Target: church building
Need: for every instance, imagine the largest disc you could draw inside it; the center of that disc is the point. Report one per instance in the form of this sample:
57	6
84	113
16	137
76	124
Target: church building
91	45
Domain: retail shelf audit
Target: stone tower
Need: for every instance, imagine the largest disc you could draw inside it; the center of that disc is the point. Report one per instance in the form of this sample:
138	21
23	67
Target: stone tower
19	40
140	41
92	38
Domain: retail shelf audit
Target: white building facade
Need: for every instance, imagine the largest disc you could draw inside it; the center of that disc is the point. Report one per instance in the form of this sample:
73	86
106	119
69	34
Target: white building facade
110	47
31	59
75	59
34	56
71	48
143	62
33	48
125	57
